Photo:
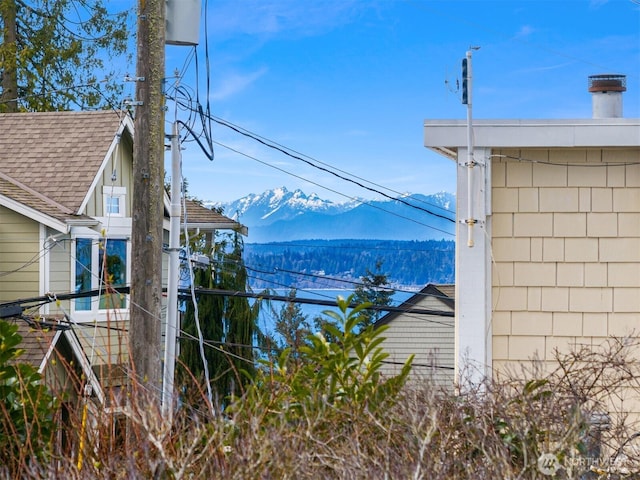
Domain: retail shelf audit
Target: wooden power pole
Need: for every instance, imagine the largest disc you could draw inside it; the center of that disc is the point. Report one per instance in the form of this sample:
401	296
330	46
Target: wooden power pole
8	99
148	191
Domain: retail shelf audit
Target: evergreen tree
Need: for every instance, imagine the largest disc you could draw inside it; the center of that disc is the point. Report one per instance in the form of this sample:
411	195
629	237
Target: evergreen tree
54	54
228	324
373	289
292	328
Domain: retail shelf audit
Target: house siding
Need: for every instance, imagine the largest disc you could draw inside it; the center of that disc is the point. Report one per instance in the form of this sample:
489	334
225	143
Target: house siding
60	278
430	338
434	355
19	253
121	162
566	244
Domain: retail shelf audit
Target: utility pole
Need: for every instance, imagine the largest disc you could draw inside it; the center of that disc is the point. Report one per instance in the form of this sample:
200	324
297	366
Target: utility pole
148	194
8	99
181	29
174	274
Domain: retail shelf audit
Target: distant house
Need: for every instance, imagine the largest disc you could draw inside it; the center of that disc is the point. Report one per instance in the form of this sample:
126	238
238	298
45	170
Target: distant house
57	355
430	337
555	255
65	208
55	351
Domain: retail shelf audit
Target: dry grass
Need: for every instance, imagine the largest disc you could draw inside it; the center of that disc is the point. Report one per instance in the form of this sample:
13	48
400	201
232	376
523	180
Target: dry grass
495	430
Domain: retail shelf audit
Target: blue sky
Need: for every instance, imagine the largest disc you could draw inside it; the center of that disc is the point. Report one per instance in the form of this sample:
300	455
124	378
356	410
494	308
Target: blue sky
350	82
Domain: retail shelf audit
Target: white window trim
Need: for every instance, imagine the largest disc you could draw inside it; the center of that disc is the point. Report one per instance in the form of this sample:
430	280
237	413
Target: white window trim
96	312
118	193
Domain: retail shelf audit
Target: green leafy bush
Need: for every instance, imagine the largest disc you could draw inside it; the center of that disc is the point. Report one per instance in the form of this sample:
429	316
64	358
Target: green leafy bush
338	377
26	407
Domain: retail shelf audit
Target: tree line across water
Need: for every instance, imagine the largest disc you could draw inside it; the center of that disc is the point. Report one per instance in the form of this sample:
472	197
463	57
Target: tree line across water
327	263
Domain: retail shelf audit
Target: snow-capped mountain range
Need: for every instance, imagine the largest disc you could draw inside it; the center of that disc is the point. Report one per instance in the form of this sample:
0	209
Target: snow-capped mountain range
281	215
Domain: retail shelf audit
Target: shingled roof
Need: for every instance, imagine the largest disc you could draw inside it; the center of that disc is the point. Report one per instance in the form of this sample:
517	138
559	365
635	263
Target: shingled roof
199	216
36	343
444	293
49	160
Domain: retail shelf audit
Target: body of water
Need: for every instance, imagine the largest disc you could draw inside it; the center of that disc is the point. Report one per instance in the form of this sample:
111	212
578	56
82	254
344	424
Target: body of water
312	311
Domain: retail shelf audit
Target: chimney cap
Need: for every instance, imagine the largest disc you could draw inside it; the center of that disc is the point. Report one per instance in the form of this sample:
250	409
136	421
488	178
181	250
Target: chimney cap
607	83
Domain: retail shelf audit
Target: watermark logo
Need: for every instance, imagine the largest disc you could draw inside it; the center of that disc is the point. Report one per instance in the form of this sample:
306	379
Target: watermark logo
548	464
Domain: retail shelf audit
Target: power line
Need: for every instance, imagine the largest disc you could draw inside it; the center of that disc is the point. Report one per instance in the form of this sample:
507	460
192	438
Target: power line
356	283
353	245
314	163
311	301
327	170
278	147
185	293
286	150
564	164
335	191
403	307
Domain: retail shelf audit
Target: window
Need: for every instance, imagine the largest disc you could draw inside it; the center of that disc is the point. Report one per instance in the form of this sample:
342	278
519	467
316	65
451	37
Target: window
113	272
114	200
83	271
112	205
100	264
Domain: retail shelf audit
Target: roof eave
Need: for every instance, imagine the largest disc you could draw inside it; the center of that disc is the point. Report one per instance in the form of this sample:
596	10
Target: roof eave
125	124
82	222
80	354
231	225
34	214
447	136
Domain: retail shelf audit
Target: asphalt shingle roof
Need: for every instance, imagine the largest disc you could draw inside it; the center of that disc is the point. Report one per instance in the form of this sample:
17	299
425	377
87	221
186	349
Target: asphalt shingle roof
198	214
48	160
35	343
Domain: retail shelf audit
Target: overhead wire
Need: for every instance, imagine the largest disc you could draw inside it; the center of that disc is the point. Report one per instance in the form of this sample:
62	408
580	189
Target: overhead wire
63	22
325	169
318	164
330	302
323	166
404	307
372	205
193	297
55	90
204	342
35	258
208	127
284	149
391	289
566	164
276	270
209	154
352	245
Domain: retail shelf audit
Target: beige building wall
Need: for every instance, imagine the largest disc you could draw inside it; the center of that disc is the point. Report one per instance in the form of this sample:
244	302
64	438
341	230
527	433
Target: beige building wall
60	278
434	353
430	338
117	173
19	256
566	250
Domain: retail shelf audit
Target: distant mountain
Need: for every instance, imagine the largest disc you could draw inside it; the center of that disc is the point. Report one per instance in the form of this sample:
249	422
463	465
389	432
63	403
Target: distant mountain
280	215
279	204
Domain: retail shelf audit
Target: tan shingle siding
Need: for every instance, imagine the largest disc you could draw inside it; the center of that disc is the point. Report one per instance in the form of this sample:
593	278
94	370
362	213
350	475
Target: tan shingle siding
566	242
